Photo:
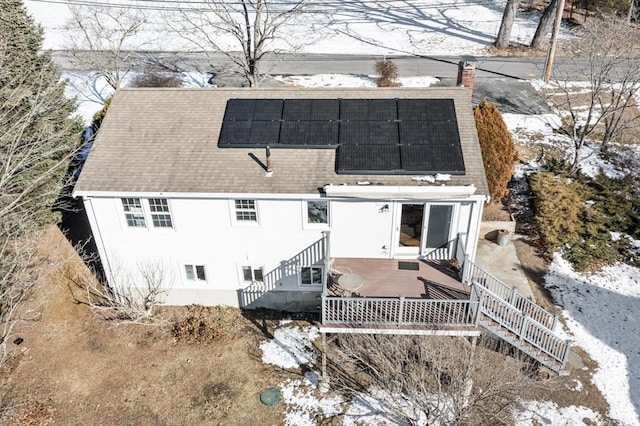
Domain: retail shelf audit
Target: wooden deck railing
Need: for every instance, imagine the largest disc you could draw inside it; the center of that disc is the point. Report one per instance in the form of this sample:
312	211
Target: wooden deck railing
398	311
478	276
521	325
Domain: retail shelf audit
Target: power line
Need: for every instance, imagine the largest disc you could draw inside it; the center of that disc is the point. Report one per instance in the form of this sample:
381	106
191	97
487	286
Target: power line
157	5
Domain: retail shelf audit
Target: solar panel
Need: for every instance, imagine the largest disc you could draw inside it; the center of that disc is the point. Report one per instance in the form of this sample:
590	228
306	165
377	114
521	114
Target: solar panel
429	132
235	133
426	109
253	109
268	109
368	109
239	109
367	159
369	132
309	133
430	159
373	136
311	109
248	133
265	132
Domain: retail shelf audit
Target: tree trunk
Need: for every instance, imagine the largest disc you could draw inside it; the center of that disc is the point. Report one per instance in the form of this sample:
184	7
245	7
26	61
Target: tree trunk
544	25
504	34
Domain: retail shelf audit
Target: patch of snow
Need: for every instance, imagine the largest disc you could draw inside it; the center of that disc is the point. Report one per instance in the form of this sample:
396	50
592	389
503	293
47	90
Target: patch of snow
575	386
443	176
535	413
592	164
601	313
303	404
290	347
327	80
543	124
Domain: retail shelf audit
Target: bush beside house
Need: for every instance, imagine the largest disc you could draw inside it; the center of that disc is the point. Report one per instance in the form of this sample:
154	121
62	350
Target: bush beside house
498	150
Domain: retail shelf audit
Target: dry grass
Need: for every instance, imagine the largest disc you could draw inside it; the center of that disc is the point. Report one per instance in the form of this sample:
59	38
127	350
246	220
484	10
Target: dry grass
75	369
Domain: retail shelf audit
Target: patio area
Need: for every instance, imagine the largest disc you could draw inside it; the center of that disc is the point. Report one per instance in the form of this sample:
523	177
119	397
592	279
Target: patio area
393	278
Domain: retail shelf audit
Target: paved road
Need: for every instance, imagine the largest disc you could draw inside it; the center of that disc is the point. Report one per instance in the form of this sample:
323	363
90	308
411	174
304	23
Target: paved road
499	79
436	66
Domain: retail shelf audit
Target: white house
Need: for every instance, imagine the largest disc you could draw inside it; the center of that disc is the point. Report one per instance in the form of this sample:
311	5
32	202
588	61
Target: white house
178	182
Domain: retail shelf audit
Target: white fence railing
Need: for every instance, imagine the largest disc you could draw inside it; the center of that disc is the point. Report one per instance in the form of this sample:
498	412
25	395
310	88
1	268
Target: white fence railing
522	325
398	311
479	276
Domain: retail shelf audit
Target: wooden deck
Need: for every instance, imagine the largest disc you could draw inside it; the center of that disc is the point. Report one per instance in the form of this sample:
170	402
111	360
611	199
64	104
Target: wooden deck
384	278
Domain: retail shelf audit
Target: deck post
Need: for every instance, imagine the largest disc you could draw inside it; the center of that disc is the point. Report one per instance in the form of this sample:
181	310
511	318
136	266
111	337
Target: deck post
523	327
323	382
466	269
401	310
565	356
513	296
554	322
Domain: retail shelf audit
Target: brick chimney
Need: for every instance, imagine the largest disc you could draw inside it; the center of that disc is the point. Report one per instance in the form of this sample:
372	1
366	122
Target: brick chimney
466	74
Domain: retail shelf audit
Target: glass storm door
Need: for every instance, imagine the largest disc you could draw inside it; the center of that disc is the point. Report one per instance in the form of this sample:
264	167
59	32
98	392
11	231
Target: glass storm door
410	230
438	227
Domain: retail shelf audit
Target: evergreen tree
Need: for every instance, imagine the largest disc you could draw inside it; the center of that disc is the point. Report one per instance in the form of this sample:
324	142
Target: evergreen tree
36	134
37	138
498	149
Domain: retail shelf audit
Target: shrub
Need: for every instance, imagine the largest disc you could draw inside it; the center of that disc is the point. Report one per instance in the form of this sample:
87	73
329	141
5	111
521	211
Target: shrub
498	150
157	79
388	72
559	210
580	213
203	324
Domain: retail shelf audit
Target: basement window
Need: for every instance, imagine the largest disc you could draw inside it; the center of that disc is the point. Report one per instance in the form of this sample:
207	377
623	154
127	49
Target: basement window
195	272
311	275
252	274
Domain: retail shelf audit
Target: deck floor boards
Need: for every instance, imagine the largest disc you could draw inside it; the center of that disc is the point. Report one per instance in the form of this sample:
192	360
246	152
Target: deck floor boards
383	278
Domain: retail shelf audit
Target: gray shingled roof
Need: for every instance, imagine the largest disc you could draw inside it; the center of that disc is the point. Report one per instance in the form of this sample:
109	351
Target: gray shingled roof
165	140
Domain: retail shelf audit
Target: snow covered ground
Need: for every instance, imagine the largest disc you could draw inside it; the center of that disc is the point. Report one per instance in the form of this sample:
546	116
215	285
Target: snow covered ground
433	27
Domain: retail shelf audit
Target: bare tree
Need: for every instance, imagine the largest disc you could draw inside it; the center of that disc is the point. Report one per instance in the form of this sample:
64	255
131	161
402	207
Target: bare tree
102	41
17	277
544	25
433	380
509	15
608	106
126	298
241	29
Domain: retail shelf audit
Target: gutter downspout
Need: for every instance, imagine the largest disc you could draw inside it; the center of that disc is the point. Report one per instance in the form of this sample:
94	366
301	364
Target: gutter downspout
98	237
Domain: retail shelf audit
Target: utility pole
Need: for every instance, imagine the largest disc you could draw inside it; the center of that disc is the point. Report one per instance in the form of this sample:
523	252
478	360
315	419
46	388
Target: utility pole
551	53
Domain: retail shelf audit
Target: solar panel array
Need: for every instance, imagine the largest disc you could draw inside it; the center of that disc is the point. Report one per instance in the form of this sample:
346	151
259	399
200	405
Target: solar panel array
372	136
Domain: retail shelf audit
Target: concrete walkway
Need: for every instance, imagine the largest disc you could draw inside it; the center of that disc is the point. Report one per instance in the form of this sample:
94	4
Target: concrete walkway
502	261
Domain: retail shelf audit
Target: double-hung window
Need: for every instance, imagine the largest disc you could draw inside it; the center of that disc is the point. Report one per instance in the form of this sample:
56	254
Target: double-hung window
138	212
160	215
246	211
133	212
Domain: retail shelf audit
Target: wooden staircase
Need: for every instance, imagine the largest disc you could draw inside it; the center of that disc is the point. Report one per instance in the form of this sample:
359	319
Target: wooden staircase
517	321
